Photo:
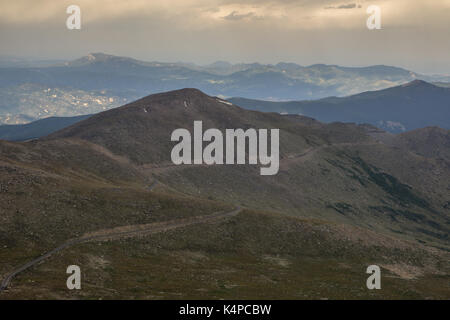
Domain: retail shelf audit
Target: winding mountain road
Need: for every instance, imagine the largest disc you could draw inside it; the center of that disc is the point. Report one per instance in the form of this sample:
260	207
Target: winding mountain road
121	232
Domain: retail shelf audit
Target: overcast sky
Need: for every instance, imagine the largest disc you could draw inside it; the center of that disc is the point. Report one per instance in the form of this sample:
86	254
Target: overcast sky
415	34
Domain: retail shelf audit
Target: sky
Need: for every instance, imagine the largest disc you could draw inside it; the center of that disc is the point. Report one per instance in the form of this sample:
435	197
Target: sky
414	34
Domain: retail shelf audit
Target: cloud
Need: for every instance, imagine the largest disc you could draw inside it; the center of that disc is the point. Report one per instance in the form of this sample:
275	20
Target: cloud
197	13
235	16
250	30
348	6
345	6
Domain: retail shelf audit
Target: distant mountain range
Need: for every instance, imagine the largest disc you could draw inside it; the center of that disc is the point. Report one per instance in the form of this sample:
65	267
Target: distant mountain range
98	82
410	106
21	62
37	129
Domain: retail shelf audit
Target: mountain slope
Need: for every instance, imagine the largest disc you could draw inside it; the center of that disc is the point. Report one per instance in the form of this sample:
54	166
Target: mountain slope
431	142
411	106
335	171
342	200
155	117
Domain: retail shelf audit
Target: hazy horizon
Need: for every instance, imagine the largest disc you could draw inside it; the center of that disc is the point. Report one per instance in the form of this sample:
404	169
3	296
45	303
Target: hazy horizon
61	60
414	35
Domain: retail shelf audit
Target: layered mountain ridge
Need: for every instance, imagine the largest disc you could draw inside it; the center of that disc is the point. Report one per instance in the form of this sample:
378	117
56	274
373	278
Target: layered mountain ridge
98	81
413	105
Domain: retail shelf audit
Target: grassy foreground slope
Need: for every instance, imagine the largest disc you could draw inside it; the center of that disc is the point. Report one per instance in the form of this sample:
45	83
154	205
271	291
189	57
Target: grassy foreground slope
251	256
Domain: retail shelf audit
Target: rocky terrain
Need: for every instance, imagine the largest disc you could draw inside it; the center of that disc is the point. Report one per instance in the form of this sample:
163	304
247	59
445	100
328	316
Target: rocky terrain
347	196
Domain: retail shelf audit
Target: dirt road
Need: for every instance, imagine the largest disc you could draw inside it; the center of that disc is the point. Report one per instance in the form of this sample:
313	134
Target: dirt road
123	232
